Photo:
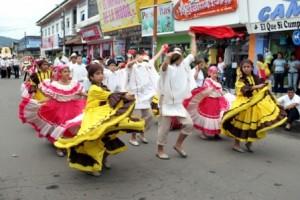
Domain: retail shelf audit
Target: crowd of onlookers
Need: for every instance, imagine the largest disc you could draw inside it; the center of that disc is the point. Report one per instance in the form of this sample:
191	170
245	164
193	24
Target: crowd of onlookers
277	68
9	66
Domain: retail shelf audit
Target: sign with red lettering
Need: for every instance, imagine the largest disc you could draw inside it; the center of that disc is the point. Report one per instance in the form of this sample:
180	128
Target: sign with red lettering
91	33
191	9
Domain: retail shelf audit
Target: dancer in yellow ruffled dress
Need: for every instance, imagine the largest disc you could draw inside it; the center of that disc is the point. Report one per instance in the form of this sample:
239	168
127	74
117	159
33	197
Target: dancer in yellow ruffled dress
43	73
106	116
254	112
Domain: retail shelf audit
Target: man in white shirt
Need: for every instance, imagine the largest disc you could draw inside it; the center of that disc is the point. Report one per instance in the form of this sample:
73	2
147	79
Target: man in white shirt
139	83
291	104
197	72
9	67
150	67
3	67
72	62
113	77
16	67
79	72
221	68
174	87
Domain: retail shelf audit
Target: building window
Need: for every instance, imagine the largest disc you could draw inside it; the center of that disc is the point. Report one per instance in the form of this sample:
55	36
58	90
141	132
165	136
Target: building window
49	31
92	8
68	23
53	30
62	25
82	15
57	28
45	32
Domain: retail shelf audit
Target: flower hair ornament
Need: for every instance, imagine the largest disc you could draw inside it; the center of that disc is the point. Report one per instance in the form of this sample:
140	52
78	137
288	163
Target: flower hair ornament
212	69
57	71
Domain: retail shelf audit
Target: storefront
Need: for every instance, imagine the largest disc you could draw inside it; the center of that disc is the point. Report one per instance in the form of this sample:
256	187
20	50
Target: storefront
96	44
50	46
165	22
128	38
76	45
273	26
230	13
119	21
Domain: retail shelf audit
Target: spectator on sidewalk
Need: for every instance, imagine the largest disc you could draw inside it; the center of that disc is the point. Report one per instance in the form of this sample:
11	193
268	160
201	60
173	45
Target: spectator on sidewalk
294	66
3	66
279	73
16	67
291	104
9	65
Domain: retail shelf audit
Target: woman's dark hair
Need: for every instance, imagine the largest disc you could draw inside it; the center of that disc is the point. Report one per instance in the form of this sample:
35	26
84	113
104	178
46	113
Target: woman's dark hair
257	80
175	58
92	69
199	60
246	61
260	57
41	62
280	53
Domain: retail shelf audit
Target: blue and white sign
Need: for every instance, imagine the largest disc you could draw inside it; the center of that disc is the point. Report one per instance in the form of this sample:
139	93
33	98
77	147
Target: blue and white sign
276	15
296	38
281	11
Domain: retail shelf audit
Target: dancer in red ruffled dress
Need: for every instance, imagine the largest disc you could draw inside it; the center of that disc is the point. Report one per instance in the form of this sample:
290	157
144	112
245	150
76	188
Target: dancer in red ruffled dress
207	105
64	102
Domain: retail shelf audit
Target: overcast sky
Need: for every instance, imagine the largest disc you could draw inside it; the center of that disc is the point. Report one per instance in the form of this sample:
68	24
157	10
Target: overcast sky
20	16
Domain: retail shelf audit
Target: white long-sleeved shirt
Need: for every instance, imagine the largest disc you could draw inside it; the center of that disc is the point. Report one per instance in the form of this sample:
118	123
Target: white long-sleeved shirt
114	81
199	79
138	82
174	86
79	73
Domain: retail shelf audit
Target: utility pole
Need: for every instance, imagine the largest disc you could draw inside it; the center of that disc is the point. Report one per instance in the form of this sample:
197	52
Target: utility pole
25	43
154	38
64	31
25	40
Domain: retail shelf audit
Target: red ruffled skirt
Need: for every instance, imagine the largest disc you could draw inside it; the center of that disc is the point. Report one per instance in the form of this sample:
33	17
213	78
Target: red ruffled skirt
47	119
205	111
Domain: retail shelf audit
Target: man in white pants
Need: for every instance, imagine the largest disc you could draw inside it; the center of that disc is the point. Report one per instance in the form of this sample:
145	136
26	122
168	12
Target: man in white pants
174	87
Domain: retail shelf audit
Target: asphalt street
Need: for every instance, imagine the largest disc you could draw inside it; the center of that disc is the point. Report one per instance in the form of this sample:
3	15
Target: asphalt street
30	169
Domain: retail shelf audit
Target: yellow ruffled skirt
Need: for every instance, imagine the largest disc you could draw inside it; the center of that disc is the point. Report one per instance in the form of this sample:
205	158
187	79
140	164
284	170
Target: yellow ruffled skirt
155	106
250	118
39	96
98	135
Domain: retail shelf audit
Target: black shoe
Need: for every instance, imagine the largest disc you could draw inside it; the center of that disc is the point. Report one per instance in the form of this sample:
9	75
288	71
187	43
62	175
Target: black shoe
218	137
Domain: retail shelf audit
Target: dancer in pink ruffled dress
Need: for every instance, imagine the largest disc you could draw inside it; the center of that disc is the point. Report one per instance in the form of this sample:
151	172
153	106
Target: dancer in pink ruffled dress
206	106
64	102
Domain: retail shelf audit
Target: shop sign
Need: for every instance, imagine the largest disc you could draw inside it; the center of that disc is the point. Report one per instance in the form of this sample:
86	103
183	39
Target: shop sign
280	12
91	33
296	38
150	3
51	42
282	17
165	22
273	26
33	43
119	47
191	9
117	14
